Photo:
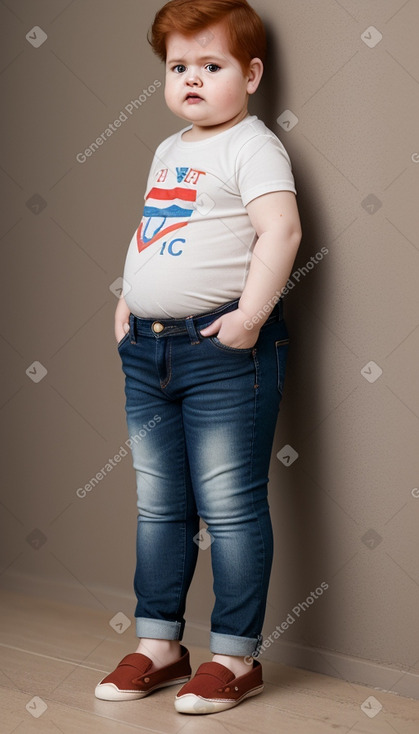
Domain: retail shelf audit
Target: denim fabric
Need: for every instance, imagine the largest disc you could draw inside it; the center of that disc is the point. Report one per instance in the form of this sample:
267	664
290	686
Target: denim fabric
201	418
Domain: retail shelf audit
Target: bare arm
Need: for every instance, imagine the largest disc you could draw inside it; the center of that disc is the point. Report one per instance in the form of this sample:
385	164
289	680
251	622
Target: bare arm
121	319
275	219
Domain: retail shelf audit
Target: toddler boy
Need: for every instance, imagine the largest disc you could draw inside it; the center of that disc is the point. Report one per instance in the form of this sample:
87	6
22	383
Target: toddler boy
203	344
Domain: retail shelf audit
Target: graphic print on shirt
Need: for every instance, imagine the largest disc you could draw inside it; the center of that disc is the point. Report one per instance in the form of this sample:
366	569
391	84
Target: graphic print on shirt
167	209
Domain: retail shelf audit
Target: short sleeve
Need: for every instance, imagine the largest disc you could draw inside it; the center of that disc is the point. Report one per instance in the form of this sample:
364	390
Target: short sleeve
263	166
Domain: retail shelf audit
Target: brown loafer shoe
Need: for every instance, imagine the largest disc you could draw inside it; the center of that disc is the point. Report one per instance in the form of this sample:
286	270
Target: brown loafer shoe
130	679
214	688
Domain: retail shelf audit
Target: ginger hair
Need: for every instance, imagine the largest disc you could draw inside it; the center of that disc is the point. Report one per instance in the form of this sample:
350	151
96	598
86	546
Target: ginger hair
245	31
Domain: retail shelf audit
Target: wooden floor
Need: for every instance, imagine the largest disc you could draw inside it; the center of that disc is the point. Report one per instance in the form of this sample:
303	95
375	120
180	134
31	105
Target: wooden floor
52	656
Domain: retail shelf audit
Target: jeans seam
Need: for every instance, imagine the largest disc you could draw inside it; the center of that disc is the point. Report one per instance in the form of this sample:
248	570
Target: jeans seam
168	365
255	406
184	534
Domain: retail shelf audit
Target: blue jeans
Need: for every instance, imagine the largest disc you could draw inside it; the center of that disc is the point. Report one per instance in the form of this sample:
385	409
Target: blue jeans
201	418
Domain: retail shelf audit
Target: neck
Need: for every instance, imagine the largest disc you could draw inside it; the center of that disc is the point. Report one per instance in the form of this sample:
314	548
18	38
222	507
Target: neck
199	132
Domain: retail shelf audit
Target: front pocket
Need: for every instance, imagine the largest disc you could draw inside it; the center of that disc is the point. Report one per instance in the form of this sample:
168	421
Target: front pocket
120	343
281	348
225	348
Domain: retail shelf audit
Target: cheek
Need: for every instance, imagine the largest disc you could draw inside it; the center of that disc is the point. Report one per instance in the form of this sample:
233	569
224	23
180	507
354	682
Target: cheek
168	92
231	93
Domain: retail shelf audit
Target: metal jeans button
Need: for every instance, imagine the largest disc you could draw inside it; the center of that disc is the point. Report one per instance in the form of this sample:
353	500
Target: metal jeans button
157	327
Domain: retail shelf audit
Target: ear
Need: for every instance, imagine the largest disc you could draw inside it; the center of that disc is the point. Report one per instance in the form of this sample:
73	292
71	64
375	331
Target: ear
254	75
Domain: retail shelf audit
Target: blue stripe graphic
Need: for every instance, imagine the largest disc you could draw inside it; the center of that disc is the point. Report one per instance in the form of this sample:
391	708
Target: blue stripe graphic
171	211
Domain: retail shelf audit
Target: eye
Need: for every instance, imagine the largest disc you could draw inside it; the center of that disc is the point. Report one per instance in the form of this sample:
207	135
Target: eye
179	68
213	68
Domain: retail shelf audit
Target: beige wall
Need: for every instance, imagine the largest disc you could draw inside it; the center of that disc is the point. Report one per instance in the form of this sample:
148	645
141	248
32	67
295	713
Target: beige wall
346	511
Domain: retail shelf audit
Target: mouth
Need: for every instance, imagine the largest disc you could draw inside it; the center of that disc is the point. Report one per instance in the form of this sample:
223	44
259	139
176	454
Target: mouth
193	98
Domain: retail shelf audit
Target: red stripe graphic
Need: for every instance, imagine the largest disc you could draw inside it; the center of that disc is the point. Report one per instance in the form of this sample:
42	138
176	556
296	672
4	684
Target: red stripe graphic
168	194
162	233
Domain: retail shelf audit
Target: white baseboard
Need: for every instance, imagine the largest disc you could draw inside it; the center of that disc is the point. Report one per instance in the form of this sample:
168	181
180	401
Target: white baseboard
381	677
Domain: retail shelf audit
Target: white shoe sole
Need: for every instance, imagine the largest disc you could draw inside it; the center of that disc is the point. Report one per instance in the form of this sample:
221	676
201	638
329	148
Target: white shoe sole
110	692
190	703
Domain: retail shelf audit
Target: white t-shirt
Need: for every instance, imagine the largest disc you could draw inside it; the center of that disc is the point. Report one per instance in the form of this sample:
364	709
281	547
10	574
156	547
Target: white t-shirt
192	249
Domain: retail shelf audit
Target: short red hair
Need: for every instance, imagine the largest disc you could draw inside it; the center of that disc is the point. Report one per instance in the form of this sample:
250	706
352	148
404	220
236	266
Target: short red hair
245	31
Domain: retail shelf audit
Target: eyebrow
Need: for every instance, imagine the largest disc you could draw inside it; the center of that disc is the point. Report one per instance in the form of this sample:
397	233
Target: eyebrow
212	57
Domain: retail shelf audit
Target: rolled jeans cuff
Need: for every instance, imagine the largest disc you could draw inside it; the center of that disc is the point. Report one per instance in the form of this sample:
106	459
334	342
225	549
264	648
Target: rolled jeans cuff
232	645
159	629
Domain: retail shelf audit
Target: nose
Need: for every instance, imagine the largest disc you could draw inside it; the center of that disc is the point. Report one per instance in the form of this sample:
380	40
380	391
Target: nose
193	78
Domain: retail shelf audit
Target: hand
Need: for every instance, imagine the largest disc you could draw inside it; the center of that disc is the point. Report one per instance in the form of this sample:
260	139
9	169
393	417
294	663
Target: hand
121	319
230	330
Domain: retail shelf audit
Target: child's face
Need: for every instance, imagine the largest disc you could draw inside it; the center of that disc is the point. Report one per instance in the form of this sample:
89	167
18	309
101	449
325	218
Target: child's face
205	84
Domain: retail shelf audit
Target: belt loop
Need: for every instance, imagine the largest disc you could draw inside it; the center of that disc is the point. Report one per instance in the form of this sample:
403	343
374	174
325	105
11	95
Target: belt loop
191	329
132	329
